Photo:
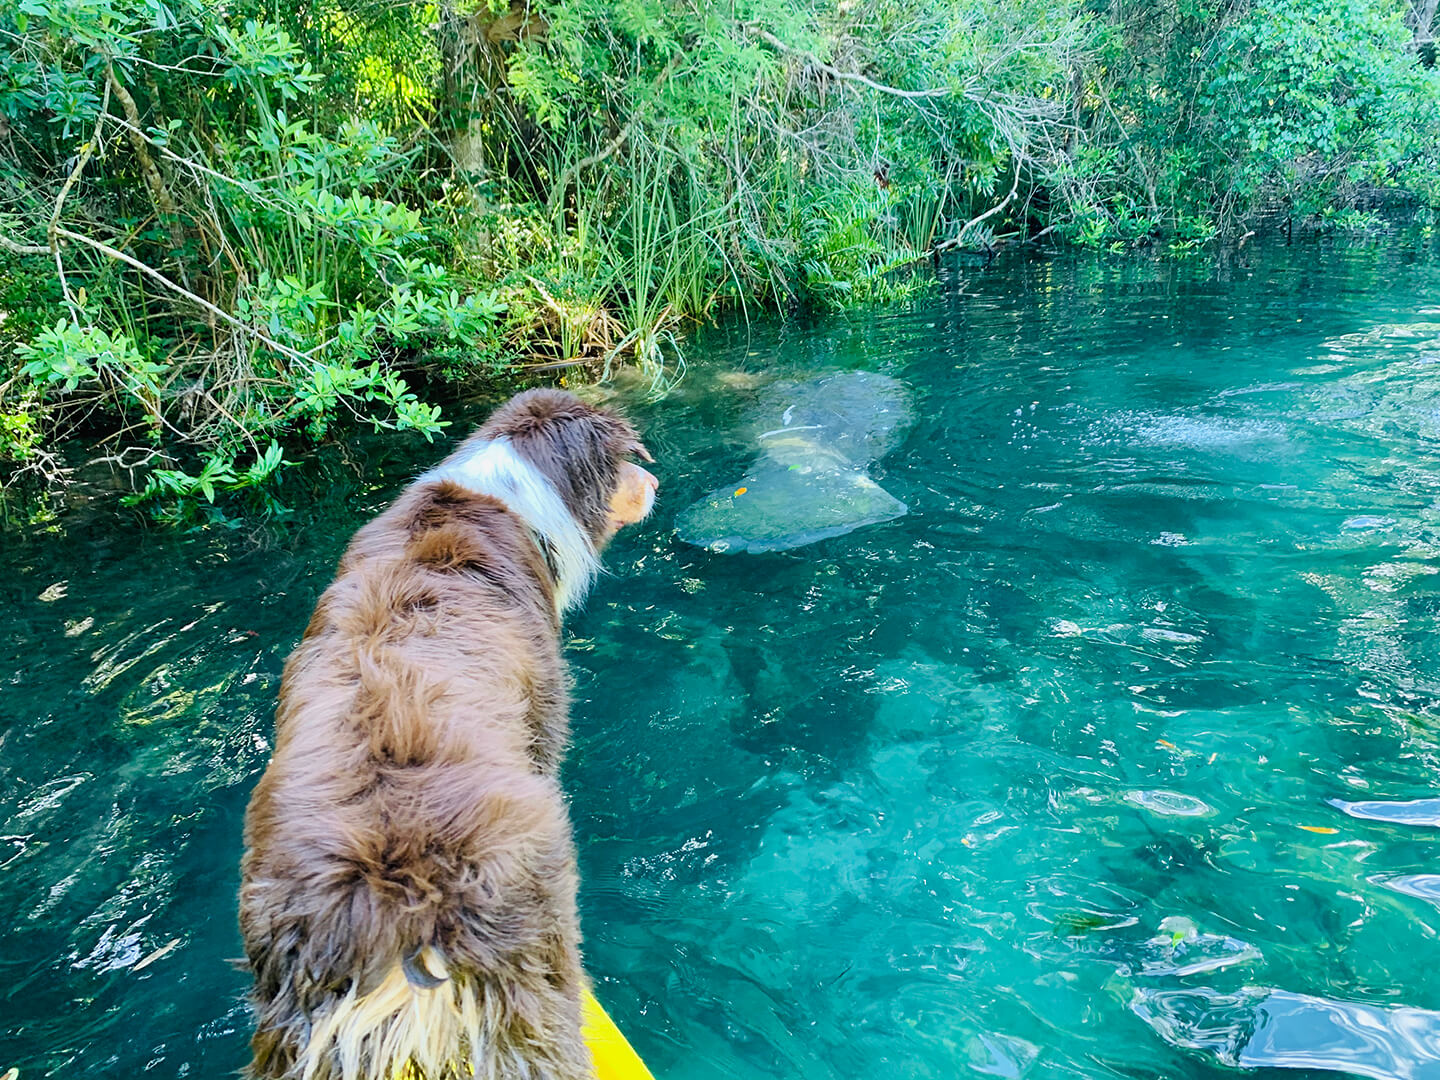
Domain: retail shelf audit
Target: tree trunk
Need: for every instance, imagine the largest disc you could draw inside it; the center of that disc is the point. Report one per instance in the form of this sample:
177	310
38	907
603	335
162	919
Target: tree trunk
474	51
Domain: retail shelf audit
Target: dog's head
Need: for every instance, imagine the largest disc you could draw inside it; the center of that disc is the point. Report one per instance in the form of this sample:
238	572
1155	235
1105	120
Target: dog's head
564	467
585	452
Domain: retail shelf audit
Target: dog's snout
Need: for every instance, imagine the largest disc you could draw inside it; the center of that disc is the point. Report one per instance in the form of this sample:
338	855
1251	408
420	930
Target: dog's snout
634	498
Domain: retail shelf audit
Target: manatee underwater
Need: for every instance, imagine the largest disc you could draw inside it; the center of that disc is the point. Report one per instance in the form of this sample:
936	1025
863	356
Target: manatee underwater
810	480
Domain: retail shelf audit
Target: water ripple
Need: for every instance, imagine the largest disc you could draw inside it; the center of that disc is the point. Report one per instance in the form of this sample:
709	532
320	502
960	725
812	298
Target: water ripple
1257	1028
1425	812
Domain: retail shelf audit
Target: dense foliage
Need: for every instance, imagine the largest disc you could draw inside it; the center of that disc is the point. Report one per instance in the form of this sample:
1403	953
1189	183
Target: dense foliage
225	225
1199	116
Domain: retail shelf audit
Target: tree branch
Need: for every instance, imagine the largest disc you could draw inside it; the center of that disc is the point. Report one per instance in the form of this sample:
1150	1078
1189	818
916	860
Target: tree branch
851	76
164	203
155	275
959	237
22	249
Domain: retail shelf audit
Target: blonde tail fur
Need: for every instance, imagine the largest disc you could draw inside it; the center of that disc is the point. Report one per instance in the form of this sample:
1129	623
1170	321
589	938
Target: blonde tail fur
419	1023
398	1031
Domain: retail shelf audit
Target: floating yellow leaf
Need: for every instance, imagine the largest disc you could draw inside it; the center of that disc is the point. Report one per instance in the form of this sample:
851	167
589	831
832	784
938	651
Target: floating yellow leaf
1323	829
741	491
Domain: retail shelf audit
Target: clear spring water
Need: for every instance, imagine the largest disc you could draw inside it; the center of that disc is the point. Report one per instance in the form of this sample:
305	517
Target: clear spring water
1101	762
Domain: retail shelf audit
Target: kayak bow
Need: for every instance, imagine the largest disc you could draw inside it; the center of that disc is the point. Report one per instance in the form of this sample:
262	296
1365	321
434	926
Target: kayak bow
614	1057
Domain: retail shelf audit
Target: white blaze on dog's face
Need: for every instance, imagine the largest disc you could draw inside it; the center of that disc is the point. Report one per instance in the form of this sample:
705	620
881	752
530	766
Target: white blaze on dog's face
634	496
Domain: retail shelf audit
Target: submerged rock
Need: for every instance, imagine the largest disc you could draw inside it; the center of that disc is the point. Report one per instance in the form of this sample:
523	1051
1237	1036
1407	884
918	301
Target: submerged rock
810	482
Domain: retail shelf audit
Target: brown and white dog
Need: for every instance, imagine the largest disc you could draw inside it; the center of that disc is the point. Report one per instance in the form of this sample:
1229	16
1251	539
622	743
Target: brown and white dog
408	896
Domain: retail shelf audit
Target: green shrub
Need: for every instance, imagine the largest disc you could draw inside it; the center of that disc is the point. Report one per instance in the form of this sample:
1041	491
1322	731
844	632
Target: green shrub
265	275
1204	115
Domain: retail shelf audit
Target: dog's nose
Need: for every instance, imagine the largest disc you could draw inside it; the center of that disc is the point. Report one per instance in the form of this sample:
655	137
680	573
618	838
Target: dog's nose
649	478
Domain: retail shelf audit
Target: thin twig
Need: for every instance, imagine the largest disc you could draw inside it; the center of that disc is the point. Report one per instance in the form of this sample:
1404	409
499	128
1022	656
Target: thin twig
85	153
852	76
190	163
45	465
220	313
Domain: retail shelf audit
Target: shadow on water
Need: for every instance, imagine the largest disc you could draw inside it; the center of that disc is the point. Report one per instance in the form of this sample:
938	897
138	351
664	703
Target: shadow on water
1114	756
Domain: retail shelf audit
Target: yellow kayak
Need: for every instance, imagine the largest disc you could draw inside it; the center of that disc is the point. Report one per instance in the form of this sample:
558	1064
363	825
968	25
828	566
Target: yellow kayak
615	1058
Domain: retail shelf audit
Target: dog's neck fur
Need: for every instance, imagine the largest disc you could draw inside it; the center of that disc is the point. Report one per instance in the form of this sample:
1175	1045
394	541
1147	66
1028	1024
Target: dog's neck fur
494	468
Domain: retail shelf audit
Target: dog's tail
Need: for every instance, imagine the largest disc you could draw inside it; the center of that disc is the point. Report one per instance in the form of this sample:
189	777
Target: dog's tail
423	1022
417	1022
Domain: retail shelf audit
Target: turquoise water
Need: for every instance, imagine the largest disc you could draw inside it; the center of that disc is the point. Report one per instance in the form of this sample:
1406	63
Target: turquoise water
1101	762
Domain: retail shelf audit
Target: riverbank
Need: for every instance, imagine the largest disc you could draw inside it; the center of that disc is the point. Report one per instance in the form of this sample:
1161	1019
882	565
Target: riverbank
227	231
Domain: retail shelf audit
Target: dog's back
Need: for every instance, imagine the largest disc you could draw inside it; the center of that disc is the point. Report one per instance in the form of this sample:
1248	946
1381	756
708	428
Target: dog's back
408	902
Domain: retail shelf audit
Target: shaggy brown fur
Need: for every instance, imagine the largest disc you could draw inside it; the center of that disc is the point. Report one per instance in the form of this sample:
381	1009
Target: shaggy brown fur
408	898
